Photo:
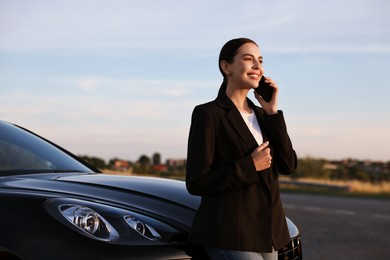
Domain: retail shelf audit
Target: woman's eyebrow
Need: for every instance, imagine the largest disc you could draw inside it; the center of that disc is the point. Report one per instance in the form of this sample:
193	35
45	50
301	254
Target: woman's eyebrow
253	56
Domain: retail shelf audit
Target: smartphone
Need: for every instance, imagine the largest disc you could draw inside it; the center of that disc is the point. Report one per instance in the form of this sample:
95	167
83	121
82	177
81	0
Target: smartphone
265	90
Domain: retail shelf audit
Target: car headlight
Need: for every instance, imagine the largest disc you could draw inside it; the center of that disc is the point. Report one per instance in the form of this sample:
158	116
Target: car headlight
142	228
111	224
88	221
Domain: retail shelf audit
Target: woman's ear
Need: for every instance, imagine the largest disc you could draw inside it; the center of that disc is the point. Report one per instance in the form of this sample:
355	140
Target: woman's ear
225	66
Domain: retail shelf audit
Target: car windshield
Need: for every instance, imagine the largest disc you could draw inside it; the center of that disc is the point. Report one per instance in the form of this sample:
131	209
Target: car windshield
22	152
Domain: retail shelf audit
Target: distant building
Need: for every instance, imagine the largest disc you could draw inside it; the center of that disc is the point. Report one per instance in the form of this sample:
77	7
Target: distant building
123	166
176	163
330	166
160	168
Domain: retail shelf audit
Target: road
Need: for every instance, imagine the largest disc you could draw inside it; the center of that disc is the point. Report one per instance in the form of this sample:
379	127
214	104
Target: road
340	227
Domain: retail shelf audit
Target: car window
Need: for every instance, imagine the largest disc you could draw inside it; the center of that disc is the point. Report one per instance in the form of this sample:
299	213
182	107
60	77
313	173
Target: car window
13	157
22	152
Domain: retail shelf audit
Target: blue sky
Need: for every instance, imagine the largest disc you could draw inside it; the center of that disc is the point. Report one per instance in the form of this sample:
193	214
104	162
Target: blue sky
120	78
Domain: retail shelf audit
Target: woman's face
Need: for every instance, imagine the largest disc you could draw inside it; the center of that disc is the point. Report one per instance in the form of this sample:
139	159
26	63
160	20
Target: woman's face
247	67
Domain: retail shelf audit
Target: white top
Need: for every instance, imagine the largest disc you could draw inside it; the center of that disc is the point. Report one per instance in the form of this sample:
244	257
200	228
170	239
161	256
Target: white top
253	125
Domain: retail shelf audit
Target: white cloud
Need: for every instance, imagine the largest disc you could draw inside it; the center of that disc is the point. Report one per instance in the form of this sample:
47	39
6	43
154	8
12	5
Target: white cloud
105	100
131	88
87	83
120	27
100	127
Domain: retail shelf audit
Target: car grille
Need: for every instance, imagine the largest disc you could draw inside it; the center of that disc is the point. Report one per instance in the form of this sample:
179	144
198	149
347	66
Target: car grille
292	251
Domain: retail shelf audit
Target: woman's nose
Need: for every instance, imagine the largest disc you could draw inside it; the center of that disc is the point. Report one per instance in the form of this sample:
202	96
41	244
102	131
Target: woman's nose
256	64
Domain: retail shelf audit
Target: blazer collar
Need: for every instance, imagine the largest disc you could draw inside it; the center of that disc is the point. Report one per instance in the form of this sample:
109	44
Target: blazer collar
225	102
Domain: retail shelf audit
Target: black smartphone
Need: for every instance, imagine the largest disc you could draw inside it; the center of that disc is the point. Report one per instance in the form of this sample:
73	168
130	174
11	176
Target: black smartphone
265	90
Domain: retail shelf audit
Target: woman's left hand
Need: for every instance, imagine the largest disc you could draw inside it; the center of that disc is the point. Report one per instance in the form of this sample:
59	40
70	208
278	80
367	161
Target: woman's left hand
270	107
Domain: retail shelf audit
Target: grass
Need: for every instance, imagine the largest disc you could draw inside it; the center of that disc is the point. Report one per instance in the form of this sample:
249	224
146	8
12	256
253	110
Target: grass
353	187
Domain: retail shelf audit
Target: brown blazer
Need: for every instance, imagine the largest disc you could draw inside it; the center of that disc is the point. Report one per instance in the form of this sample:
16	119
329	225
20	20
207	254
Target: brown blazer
240	208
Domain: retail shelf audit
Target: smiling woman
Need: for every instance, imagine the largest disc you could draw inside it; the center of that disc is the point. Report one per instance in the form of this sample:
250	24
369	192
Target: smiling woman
235	152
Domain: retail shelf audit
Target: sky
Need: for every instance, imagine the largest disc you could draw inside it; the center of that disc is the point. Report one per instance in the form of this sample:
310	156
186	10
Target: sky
119	79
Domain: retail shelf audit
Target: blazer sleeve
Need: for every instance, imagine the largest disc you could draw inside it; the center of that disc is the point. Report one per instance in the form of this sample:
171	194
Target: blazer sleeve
284	155
205	173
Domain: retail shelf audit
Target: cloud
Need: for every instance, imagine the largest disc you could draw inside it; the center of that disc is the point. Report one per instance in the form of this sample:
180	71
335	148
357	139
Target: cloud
103	127
133	87
87	83
95	99
122	27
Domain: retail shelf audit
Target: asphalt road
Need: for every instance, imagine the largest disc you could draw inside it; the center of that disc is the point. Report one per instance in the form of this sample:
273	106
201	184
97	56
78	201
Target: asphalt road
339	227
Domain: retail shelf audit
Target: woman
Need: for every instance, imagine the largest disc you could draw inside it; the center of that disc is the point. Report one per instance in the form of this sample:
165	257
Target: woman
235	152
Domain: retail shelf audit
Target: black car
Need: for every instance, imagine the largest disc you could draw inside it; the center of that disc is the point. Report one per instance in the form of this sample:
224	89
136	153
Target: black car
53	205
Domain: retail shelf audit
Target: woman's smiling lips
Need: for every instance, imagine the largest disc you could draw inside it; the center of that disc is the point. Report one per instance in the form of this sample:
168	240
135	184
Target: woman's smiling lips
254	76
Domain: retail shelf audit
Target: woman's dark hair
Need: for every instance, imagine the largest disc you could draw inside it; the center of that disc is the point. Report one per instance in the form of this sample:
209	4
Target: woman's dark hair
228	51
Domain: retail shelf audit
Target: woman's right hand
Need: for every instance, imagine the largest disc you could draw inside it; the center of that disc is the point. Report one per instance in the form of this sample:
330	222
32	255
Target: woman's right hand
262	157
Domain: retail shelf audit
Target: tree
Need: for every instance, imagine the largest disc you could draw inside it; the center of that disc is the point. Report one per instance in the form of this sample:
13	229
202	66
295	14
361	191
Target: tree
156	159
94	161
144	163
310	168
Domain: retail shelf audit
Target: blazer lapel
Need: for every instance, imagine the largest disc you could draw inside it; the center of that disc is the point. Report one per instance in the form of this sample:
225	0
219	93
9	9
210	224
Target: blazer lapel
265	175
242	131
237	123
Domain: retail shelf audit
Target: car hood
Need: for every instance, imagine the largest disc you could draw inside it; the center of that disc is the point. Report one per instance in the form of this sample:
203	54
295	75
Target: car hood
166	198
171	190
